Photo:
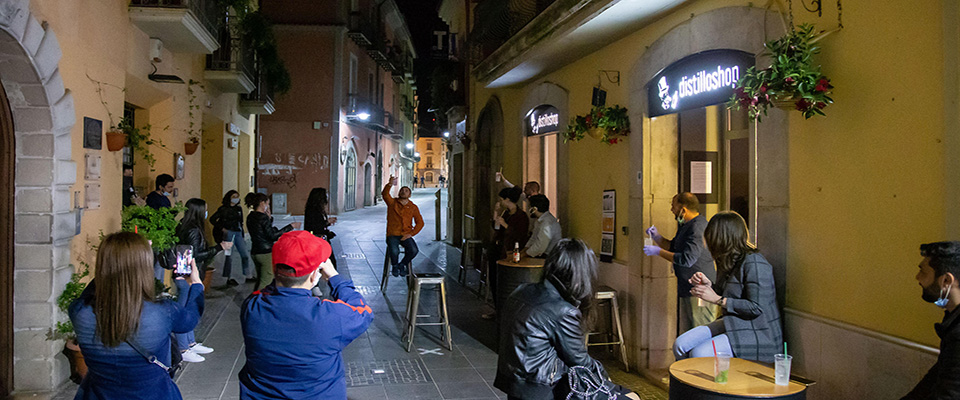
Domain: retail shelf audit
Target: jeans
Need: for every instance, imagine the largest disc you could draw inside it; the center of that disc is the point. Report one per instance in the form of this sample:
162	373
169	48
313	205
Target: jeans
393	250
184	340
697	343
239	249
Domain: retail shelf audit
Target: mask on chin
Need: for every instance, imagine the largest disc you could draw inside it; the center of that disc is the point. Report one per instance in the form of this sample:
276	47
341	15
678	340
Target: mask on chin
931	295
680	217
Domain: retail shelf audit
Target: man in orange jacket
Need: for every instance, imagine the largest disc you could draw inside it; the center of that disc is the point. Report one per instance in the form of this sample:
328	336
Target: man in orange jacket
400	231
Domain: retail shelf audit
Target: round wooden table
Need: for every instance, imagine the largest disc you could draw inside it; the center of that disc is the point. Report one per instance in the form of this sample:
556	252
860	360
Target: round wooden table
510	275
693	379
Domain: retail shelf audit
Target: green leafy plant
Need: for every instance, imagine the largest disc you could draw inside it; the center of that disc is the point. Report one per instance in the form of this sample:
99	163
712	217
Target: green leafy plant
609	124
791	79
257	32
157	225
194	132
139	139
64	329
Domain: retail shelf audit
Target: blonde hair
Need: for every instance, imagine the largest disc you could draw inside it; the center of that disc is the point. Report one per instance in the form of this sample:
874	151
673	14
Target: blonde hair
124	280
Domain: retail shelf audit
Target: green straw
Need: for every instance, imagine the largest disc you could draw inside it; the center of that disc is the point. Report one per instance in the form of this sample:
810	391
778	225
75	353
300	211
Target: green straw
784	348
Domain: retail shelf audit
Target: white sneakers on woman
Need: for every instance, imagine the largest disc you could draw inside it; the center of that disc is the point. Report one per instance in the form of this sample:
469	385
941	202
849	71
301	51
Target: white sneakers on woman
194	353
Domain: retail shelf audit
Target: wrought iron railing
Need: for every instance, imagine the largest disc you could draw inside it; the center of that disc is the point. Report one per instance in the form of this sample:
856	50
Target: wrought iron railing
208	12
263	91
234	54
361	29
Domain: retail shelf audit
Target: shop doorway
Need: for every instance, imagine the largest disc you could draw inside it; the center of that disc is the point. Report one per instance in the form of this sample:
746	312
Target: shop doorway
368	181
540	165
6	244
714	151
350	203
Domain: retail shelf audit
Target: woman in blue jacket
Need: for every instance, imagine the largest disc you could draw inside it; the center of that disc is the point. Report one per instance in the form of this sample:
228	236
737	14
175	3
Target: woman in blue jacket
118	313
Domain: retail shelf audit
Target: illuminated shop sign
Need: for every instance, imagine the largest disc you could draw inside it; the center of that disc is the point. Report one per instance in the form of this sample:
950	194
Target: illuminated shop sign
699	80
543	120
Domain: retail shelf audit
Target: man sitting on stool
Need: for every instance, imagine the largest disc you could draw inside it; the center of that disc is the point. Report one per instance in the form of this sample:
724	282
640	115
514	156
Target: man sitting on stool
546	228
294	340
400	232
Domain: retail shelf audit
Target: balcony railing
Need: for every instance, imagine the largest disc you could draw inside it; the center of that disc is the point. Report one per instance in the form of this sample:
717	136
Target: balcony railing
260	100
231	67
360	29
187	26
360	110
496	21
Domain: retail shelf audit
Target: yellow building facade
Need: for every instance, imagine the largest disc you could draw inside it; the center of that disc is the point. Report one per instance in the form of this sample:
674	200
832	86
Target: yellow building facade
838	204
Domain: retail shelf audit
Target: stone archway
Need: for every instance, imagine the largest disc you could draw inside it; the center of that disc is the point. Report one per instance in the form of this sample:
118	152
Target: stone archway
486	157
43	222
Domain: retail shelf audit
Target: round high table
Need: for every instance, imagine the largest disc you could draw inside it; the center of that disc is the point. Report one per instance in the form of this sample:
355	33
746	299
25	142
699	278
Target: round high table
692	378
510	275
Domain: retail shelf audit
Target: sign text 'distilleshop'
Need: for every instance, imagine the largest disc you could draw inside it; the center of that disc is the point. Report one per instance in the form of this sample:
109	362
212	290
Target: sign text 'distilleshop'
698	80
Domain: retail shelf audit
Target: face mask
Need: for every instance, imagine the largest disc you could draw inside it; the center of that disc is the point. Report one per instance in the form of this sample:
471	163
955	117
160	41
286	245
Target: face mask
205	213
942	300
680	217
235	201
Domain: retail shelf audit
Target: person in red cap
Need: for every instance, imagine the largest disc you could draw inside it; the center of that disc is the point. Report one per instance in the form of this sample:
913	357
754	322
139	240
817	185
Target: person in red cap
294	340
400	232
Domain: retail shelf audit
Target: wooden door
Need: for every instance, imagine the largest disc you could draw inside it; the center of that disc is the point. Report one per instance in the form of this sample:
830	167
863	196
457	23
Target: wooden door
7	165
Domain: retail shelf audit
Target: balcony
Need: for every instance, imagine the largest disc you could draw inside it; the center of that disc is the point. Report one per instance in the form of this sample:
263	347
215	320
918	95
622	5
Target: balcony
184	26
259	101
402	67
369	114
231	67
360	29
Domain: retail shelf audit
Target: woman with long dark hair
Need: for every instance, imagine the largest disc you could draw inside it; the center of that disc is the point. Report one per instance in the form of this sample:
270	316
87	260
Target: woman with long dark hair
190	232
542	339
117	319
315	219
228	227
264	235
749	327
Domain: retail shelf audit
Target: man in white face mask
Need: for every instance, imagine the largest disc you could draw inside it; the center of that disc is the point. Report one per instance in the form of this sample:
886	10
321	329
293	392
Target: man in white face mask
937	277
160	198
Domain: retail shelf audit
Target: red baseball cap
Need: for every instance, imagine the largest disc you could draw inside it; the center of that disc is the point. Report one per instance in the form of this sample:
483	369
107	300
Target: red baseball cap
300	250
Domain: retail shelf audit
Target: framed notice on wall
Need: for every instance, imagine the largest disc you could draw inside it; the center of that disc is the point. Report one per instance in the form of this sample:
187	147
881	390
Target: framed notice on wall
608	225
700	175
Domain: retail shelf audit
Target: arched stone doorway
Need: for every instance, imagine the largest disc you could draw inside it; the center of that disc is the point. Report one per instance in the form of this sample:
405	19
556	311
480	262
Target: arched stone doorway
369	186
350	203
36	219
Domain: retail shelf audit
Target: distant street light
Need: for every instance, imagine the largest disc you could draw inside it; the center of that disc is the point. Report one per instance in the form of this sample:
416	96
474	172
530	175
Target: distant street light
409	145
363	116
446	134
417	154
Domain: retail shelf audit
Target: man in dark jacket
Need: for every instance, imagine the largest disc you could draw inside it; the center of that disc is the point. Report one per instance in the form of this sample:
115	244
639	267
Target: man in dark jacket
160	198
294	340
689	255
937	277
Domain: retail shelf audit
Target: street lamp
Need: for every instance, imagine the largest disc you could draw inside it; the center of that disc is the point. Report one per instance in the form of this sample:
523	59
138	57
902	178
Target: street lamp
417	154
446	134
409	145
363	116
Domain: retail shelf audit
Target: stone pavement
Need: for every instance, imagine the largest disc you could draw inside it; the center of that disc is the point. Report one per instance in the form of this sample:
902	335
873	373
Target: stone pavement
378	367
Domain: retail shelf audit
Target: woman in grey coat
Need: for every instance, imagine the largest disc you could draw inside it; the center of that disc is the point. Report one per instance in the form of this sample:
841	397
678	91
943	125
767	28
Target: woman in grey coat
749	326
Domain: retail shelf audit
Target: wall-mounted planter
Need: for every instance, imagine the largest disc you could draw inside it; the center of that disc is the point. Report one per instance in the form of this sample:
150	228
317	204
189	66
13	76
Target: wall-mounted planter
116	140
190	147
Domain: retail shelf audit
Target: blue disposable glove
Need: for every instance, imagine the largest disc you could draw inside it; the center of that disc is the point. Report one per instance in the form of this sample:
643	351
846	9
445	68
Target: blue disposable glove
651	250
654	233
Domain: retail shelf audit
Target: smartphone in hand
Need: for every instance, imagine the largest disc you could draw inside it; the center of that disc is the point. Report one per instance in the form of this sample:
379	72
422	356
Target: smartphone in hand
184	259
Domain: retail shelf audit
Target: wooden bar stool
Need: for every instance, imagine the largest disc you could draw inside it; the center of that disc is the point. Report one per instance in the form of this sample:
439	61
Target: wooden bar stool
607	293
417	281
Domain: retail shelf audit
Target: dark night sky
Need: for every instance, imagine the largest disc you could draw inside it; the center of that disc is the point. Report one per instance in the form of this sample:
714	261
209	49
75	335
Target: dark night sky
422	20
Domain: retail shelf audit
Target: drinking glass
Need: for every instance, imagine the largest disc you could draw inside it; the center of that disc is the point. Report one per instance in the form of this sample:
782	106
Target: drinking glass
782	368
721	367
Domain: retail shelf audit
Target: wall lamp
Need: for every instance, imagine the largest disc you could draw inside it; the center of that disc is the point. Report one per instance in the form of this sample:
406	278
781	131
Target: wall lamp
409	145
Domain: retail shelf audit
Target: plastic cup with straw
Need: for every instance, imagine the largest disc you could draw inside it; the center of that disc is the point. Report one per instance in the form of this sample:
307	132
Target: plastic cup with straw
721	365
781	367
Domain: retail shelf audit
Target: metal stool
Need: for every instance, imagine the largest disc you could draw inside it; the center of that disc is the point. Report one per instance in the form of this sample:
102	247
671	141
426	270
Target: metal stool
413	303
606	293
468	261
386	269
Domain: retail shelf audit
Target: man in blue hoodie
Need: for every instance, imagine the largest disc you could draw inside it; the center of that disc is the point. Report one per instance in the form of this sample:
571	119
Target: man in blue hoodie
294	340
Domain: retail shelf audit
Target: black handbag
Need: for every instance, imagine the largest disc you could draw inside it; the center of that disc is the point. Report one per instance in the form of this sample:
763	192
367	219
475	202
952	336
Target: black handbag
591	384
175	358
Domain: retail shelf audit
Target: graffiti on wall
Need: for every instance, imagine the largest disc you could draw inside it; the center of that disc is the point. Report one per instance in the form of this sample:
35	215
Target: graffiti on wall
285	167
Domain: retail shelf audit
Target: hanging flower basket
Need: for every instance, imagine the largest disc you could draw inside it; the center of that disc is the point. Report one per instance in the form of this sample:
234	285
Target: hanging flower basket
607	124
791	82
116	140
190	147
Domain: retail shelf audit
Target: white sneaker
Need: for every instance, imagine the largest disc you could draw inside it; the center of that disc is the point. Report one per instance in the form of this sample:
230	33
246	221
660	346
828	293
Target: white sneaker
191	356
199	348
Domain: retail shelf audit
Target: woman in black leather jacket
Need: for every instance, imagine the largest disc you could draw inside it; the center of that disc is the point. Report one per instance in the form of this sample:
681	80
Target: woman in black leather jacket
315	219
264	235
190	232
228	227
542	336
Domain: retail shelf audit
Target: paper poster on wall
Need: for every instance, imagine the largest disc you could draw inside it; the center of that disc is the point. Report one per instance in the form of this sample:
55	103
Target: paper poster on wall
701	177
608	225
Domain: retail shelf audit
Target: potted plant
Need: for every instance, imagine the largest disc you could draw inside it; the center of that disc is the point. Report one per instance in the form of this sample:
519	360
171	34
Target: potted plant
791	80
193	131
64	329
157	225
609	124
